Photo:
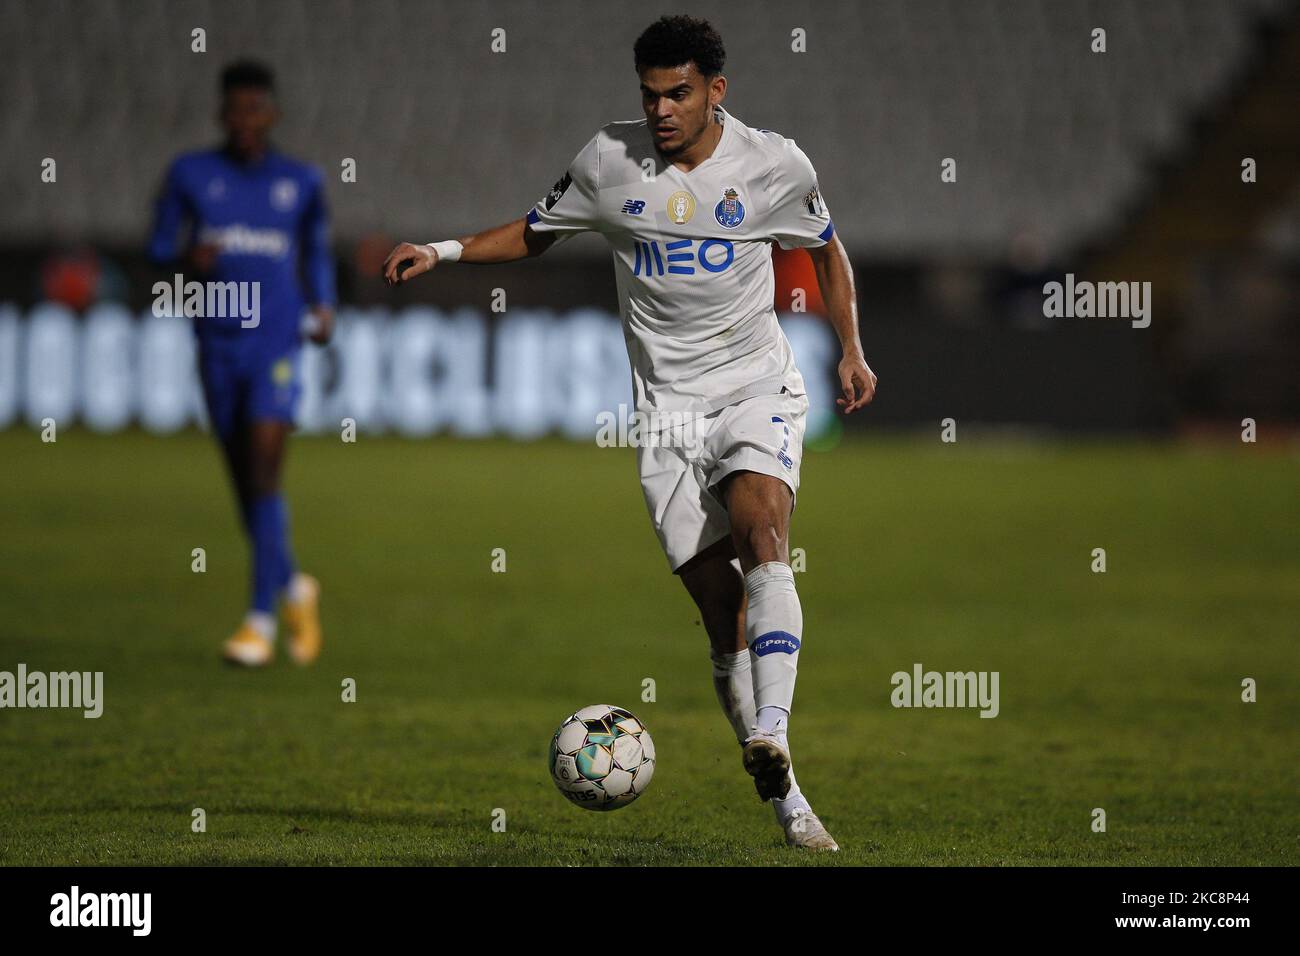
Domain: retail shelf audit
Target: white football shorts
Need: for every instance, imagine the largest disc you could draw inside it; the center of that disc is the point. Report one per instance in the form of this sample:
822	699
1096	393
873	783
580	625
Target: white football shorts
682	466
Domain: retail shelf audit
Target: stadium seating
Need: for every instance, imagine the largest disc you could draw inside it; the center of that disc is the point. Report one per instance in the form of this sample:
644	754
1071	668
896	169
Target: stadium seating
450	136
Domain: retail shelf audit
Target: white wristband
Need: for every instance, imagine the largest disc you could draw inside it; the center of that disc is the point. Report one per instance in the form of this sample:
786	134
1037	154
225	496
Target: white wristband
448	250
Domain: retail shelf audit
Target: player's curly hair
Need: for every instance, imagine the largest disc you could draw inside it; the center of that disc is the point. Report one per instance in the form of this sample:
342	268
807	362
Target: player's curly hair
674	40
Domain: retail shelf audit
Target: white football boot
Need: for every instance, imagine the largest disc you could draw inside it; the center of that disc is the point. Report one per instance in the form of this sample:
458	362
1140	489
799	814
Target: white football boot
804	830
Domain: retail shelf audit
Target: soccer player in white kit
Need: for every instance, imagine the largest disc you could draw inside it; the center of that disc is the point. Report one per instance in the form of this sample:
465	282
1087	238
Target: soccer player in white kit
690	200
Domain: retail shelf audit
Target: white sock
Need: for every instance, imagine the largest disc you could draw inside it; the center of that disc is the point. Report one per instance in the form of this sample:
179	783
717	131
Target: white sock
735	689
794	800
773	629
261	622
299	589
772	720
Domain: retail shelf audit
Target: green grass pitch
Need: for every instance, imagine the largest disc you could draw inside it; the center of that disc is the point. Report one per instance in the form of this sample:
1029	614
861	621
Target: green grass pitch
1119	690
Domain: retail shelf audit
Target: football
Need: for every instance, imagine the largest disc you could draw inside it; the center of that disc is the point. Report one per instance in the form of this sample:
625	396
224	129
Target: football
602	757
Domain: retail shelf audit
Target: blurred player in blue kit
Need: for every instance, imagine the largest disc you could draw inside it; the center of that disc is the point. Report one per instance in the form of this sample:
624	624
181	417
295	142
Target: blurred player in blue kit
246	214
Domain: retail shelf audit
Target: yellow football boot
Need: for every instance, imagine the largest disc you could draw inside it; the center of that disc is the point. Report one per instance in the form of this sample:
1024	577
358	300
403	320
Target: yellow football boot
302	615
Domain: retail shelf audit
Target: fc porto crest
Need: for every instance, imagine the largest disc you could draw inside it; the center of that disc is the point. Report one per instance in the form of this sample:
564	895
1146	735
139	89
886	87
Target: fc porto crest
284	194
730	211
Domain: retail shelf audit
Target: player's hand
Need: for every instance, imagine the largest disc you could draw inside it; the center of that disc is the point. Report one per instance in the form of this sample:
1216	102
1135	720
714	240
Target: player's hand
321	327
858	382
408	260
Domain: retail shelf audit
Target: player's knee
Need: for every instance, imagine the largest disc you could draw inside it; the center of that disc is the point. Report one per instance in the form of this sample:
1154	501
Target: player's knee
264	479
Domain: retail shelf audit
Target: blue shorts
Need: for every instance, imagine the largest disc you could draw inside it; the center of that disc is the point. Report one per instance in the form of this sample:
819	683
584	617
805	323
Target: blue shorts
243	385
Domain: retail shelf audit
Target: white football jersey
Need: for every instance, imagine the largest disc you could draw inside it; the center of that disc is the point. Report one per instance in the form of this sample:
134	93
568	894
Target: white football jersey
693	256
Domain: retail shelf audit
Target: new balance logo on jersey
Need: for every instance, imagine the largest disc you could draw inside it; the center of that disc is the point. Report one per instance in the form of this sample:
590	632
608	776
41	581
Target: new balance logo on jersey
634	207
713	255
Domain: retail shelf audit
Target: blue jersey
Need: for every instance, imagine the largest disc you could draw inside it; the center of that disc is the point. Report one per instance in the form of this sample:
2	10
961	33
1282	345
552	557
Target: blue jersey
270	224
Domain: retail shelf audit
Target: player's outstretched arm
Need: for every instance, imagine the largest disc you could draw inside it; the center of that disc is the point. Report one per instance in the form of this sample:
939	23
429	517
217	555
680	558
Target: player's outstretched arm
835	278
505	243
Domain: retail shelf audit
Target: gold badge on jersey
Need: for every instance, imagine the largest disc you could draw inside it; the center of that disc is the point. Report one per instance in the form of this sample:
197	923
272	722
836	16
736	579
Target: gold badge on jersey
282	372
681	206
